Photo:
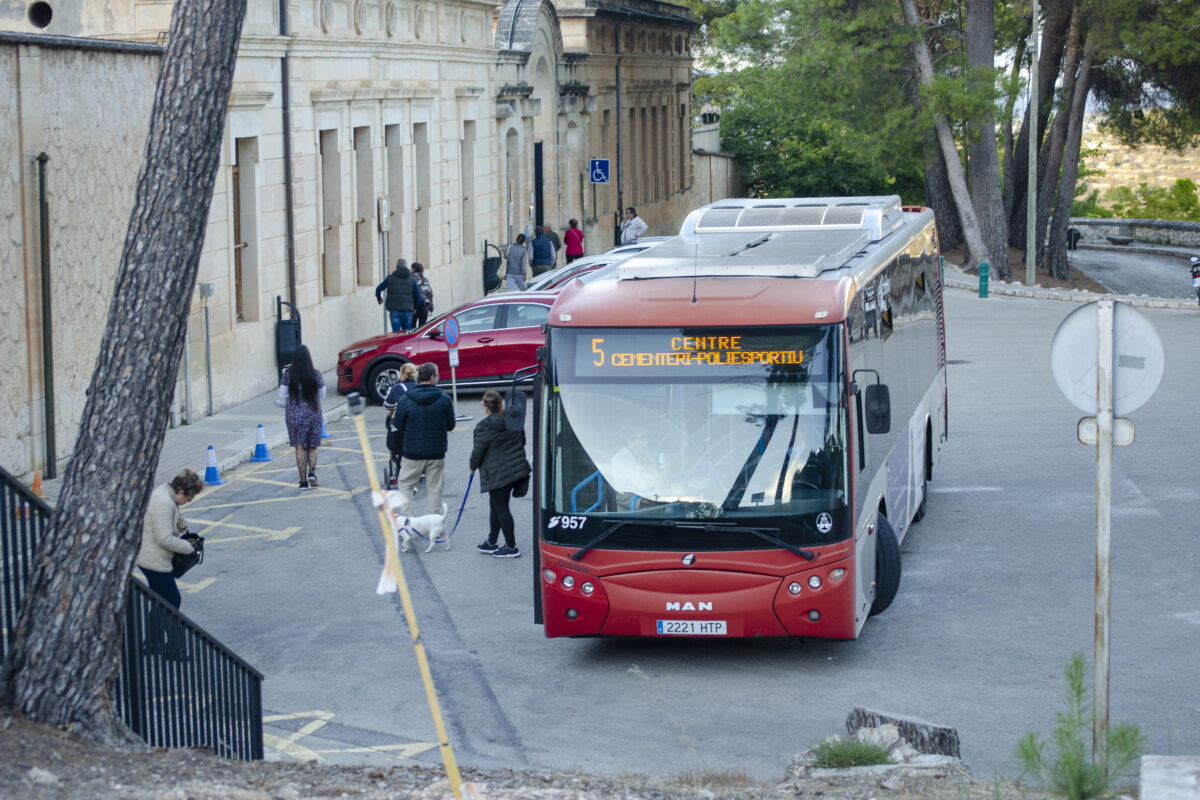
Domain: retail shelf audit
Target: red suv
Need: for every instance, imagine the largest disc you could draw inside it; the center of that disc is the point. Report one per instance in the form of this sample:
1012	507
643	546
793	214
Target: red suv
498	335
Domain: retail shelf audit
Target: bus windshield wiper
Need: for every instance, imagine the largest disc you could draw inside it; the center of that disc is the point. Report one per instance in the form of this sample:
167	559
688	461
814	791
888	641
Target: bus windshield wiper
762	533
604	534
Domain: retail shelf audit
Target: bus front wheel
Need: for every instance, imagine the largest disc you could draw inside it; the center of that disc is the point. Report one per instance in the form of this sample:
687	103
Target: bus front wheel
887	566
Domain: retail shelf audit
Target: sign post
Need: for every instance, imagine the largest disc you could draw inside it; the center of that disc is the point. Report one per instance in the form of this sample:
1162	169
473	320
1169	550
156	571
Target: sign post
451	331
1127	354
598	172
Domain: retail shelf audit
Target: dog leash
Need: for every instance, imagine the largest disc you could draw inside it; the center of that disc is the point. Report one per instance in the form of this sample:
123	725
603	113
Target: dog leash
464	503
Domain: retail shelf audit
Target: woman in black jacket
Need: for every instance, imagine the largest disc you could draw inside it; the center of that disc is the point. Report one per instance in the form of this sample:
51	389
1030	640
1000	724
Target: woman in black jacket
499	455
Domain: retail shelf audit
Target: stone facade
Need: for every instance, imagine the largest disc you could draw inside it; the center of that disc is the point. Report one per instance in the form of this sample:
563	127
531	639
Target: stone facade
94	141
452	125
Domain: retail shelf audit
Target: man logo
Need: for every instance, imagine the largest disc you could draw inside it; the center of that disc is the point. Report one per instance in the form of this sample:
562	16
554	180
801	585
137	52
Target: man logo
553	522
688	606
824	522
689	559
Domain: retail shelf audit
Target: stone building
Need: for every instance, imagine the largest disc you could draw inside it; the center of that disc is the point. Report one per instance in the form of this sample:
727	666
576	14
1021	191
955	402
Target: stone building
431	131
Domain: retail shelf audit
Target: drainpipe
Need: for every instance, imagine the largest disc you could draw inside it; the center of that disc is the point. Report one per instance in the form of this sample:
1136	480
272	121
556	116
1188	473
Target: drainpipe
286	99
620	150
47	336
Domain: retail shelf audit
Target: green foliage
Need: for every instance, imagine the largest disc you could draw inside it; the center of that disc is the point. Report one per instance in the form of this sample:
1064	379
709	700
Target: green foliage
1068	770
1179	202
1148	70
1087	203
799	131
839	753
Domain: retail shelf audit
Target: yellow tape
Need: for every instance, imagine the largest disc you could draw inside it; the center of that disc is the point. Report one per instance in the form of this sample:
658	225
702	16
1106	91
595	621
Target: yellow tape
395	573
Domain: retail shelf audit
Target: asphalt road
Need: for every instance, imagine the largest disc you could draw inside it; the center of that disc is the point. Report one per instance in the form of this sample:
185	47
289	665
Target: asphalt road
996	596
1153	275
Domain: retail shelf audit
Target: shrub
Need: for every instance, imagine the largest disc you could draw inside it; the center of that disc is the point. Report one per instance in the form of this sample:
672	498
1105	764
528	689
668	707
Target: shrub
837	753
1069	770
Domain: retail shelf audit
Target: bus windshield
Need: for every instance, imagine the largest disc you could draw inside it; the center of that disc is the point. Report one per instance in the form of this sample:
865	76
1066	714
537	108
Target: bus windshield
742	425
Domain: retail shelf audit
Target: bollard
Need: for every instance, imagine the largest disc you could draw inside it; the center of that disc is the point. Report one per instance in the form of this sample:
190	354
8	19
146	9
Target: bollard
983	278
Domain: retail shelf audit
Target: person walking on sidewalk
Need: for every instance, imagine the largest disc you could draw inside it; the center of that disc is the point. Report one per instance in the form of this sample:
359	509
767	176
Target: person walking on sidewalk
421	315
300	393
543	253
516	263
552	235
161	530
573	238
423	418
499	455
403	296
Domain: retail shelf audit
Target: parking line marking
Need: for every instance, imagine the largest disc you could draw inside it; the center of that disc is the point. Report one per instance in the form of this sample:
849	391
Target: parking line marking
193	588
326	715
409	750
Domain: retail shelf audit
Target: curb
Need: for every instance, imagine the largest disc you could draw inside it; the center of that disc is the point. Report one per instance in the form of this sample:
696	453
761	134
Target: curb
961	280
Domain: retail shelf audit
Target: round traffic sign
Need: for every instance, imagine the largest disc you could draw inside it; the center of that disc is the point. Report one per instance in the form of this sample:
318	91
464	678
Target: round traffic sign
451	329
1137	358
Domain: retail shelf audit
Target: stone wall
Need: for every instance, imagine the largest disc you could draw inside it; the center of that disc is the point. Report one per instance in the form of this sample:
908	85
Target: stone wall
94	141
1153	231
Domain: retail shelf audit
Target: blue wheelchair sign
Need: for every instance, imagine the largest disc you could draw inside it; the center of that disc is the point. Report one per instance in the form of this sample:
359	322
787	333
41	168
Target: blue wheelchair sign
598	170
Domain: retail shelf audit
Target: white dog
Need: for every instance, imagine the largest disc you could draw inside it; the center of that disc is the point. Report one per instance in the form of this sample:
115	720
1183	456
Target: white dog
431	526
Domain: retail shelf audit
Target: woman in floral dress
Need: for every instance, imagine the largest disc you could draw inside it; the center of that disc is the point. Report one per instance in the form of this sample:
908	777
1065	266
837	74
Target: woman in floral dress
300	393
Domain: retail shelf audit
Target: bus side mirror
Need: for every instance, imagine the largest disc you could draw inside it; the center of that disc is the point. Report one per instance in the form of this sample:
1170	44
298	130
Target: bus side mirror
878	408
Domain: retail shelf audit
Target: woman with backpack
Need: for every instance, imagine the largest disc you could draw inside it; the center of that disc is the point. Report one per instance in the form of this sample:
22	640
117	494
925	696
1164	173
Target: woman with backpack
499	455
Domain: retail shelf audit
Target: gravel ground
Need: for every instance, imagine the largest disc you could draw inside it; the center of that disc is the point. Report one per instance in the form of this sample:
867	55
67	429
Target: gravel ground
39	762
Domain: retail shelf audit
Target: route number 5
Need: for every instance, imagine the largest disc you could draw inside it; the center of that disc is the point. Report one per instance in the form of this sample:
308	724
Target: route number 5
599	362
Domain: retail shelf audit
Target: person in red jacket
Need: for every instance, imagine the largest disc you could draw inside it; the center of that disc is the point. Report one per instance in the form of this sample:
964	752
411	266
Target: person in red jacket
573	239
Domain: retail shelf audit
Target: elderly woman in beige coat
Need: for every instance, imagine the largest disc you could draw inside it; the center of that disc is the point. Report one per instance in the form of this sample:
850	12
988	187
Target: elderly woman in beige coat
161	529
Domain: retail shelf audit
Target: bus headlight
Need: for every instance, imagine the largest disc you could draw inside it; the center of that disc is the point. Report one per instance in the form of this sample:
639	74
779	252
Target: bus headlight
549	575
568	582
814	581
587	587
814	615
794	587
837	574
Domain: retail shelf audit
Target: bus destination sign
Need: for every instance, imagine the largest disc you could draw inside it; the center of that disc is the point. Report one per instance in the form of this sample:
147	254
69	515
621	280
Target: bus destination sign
671	352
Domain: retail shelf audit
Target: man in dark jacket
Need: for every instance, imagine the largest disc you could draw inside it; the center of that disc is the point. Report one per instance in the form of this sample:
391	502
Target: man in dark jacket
423	418
543	253
403	296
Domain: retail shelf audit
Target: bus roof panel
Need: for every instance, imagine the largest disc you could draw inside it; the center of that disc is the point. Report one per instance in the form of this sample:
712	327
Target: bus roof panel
803	253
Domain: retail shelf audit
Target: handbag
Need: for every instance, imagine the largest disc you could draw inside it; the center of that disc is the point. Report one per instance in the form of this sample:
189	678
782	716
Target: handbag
181	563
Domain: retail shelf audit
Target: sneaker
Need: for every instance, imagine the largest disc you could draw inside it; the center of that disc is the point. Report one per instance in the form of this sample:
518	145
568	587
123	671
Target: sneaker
312	479
303	484
507	552
487	547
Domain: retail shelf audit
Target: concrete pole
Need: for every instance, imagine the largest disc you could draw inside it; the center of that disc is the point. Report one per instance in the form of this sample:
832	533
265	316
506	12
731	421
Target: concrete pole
1104	445
1031	188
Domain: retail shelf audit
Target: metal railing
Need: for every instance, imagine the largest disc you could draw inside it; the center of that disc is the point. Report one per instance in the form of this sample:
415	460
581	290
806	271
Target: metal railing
177	686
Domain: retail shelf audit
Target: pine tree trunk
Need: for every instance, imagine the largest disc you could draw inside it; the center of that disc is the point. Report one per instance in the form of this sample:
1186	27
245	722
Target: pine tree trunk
1050	160
954	173
1016	173
1057	248
65	655
940	199
986	190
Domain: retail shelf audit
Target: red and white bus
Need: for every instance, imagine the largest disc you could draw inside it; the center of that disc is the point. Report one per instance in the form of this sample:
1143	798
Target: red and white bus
735	428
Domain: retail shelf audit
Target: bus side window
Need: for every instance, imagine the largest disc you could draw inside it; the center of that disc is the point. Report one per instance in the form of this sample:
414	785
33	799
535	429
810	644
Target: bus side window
860	431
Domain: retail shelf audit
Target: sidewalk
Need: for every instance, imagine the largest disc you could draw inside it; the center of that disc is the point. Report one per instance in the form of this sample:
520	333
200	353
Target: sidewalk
232	433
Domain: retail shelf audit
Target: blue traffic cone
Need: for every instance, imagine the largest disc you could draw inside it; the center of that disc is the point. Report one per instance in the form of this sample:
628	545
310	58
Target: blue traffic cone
212	474
324	434
260	447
